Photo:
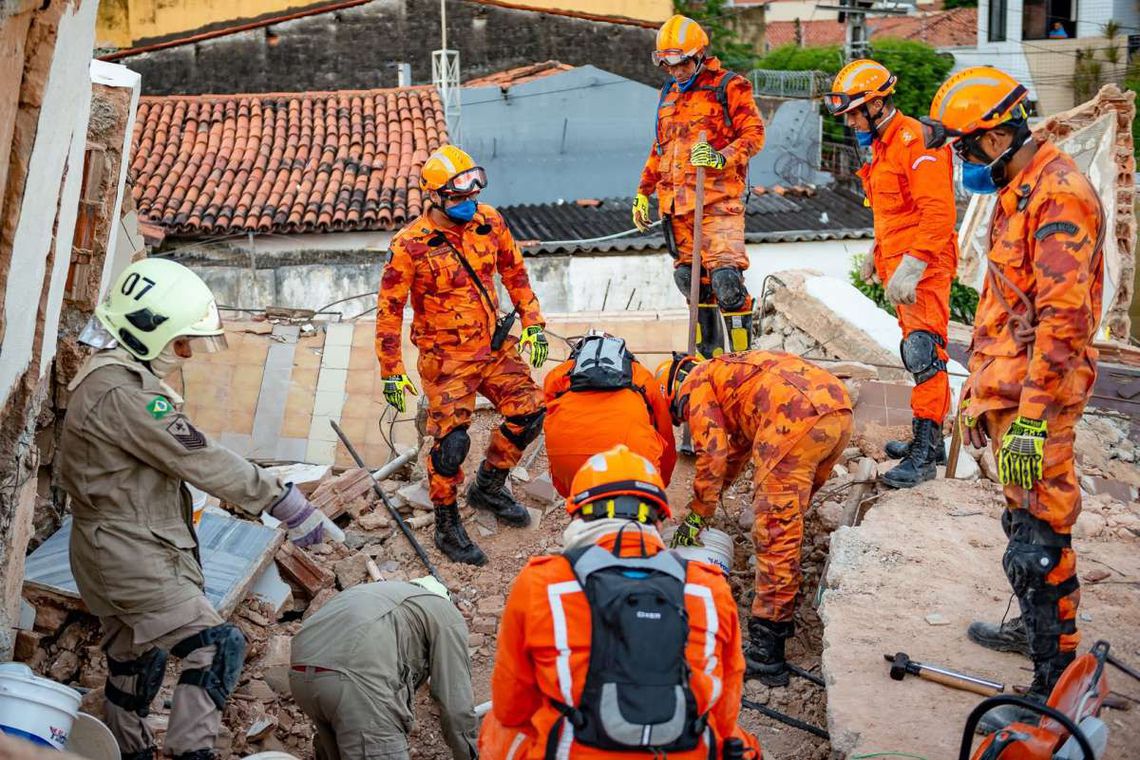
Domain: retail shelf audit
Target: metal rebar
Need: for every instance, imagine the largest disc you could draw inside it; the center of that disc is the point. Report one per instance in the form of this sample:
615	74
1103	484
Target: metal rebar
786	719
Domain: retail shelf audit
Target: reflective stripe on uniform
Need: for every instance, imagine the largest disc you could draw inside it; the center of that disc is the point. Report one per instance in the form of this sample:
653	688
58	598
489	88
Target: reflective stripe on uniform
712	625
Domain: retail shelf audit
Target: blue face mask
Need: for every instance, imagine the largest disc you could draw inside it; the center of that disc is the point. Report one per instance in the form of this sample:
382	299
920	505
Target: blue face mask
978	179
864	138
463	211
688	83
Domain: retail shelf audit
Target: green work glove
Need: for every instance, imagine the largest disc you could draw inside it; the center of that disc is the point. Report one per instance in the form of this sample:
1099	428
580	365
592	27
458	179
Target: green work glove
1022	456
688	532
534	337
641	212
394	387
703	154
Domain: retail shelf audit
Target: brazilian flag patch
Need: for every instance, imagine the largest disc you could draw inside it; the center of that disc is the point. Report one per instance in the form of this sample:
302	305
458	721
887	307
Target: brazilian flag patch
159	407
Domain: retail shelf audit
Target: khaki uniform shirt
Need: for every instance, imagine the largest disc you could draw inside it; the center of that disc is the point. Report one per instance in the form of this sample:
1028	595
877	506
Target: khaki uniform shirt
125	453
388	638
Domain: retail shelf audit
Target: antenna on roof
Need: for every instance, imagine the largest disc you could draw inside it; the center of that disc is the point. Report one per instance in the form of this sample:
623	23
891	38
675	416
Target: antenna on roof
445	76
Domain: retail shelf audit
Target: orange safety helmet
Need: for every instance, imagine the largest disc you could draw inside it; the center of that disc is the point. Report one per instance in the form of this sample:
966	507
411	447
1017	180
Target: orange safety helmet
973	100
671	374
451	171
618	483
679	38
856	83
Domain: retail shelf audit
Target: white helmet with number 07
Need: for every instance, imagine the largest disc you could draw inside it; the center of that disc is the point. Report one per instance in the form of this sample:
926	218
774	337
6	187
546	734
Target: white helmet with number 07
155	301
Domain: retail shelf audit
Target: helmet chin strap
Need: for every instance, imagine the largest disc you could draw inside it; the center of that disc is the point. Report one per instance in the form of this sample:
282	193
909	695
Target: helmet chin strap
872	123
1000	165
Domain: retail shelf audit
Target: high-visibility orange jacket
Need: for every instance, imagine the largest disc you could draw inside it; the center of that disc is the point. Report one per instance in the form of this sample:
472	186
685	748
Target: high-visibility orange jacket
580	424
681	117
544	651
451	313
1044	243
736	397
911	191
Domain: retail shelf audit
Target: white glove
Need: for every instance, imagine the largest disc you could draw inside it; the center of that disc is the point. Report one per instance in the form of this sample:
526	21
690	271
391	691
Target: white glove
904	282
867	269
303	522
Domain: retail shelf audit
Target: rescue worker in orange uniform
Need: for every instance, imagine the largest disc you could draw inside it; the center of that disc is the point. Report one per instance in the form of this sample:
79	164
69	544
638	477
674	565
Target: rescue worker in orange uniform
602	396
911	191
701	96
792	420
446	260
1033	365
617	619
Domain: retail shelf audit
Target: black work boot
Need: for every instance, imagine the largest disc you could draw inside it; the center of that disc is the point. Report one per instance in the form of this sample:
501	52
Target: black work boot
1046	673
918	466
1010	636
489	492
764	651
900	449
451	537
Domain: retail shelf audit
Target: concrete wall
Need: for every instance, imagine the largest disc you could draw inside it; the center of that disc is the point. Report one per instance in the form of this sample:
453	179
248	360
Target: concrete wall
358	48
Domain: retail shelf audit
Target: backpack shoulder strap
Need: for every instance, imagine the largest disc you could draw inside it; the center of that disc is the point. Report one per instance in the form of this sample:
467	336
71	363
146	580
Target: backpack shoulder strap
594	558
657	114
722	94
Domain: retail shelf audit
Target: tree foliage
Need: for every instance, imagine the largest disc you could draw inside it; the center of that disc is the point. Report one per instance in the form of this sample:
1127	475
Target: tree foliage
963	298
714	17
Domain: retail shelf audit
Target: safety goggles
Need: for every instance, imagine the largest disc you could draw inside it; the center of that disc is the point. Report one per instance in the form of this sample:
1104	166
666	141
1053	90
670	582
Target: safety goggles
466	182
670	57
207	344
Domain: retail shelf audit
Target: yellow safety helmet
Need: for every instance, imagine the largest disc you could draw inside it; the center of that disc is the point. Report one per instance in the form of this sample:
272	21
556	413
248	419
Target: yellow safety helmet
973	100
679	38
451	171
618	483
856	83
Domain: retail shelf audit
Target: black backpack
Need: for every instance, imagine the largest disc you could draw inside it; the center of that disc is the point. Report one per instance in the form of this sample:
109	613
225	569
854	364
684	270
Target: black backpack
601	362
637	695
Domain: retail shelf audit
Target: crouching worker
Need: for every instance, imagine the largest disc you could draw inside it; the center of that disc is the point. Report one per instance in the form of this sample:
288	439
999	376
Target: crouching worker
125	455
792	420
600	397
617	647
357	663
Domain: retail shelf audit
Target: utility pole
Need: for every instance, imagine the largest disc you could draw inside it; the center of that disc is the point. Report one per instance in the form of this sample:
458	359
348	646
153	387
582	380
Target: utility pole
854	13
445	76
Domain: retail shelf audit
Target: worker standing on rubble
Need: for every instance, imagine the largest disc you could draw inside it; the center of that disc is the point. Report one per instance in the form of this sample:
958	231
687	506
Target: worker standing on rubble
602	396
357	663
446	259
701	96
911	191
126	455
792	420
617	648
1033	365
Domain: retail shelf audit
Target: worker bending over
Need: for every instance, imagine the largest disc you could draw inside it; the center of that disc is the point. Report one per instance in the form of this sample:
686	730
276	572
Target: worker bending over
126	455
1033	365
358	662
617	647
792	420
602	396
911	191
446	259
701	97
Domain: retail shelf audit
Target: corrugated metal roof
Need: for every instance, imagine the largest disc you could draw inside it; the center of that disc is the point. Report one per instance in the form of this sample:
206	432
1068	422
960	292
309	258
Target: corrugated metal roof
832	213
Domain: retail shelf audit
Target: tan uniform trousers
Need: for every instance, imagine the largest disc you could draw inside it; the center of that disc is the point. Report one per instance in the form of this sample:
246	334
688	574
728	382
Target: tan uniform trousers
348	727
194	719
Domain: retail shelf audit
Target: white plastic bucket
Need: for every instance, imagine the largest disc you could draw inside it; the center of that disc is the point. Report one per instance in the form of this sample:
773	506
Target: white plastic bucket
36	709
716	548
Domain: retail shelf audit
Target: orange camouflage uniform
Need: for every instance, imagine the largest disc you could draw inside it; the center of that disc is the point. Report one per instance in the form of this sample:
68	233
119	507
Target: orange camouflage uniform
794	420
739	135
452	328
1044	242
911	191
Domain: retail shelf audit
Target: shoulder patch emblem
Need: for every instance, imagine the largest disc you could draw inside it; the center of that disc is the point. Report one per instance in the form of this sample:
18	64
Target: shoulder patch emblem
186	434
159	407
1052	228
907	136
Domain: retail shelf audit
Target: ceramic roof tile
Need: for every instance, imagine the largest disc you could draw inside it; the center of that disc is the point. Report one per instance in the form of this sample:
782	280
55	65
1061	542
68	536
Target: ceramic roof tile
940	29
283	162
510	77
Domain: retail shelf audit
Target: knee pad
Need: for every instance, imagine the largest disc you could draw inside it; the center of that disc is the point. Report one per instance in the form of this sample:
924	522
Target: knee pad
919	352
220	678
728	285
147	671
683	277
523	428
1034	550
448	453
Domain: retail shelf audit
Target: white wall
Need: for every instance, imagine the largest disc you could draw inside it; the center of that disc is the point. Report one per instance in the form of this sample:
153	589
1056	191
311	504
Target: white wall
59	146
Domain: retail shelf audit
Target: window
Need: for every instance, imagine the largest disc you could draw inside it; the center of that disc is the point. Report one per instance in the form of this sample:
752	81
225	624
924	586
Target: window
995	29
1048	19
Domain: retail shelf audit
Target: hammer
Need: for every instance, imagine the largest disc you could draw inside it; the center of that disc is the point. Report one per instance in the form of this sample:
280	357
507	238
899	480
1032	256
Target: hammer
901	664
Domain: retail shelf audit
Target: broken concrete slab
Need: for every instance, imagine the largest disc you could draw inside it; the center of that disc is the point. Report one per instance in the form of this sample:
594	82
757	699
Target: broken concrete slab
416	494
883	404
1094	484
337	496
272	590
541	488
298	567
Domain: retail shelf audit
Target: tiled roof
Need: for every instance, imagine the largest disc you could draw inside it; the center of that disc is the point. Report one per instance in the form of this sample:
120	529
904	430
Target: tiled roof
940	29
284	162
776	215
506	79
